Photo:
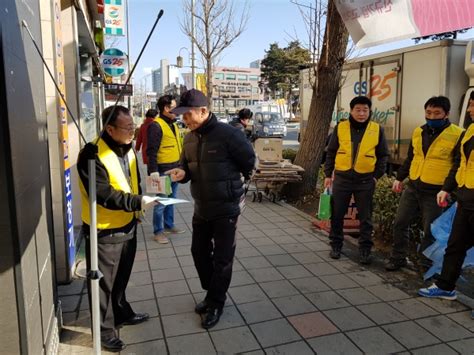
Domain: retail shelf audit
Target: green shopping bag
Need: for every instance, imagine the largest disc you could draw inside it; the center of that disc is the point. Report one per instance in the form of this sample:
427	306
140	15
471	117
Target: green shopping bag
324	211
168	190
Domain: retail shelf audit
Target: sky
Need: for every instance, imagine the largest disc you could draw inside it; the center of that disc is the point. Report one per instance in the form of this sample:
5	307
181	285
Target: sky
270	21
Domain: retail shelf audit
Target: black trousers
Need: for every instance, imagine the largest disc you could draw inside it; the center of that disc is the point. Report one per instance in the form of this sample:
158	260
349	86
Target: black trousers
460	241
414	202
342	192
115	263
213	249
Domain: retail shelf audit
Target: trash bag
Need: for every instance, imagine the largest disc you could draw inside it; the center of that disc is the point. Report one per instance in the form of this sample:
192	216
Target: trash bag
324	211
441	230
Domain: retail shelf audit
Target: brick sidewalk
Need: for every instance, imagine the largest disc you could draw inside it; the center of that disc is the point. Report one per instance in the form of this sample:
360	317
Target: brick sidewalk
287	297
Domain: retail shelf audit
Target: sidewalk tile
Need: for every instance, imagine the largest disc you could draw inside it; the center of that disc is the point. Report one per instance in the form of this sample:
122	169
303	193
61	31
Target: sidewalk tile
254	262
194	285
294	271
463	318
245	227
167	275
176	304
171	288
243	243
295	248
252	234
240	278
322	269
373	340
271	250
281	259
333	344
274	332
265	274
358	296
318	246
444	328
186	260
182	250
268	226
346	266
292	305
285	225
300	348
307	257
365	278
189	272
191	344
441	349
145	307
249	293
348	318
258	311
74	288
443	306
413	308
140	266
387	292
140	279
241	253
337	282
70	303
311	325
256	242
410	334
234	340
149	347
382	313
163	263
464	346
231	318
310	284
295	231
140	293
149	330
278	288
184	323
327	300
162	252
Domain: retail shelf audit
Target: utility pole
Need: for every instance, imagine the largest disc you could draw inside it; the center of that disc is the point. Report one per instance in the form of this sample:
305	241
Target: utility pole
193	74
128	53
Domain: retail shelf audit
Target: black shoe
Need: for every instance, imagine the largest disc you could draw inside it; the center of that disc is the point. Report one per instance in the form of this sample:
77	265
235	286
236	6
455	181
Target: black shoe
335	253
113	345
212	317
201	307
137	319
364	257
395	264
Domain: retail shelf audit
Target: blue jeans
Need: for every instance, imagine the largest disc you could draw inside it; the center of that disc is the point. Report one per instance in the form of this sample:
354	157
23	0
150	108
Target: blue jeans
163	216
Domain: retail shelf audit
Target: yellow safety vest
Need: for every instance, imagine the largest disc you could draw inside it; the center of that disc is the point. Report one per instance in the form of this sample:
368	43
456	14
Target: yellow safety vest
171	144
465	173
434	168
365	159
106	218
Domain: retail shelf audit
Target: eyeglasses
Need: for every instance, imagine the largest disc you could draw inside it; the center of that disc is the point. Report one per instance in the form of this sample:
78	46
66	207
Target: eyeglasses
128	129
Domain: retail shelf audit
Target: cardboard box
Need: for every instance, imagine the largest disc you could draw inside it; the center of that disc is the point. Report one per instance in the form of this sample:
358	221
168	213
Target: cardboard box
269	148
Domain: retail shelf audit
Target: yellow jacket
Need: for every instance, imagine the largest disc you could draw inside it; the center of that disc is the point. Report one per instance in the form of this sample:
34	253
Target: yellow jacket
465	173
171	143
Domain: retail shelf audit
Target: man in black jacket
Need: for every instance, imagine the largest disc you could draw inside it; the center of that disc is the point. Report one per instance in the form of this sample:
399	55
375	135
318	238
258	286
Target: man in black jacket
215	157
242	120
356	156
118	202
429	159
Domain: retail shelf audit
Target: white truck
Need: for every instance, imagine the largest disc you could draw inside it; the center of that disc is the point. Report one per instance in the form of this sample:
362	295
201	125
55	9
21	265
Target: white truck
399	82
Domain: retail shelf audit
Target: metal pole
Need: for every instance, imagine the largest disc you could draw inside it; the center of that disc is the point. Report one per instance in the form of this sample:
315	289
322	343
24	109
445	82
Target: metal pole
94	273
128	52
193	82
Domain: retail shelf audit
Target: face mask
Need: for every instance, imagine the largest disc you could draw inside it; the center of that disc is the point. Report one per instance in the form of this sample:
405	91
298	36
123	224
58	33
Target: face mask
435	123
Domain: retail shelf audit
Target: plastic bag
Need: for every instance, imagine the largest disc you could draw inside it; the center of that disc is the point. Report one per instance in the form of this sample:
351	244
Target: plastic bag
441	230
324	211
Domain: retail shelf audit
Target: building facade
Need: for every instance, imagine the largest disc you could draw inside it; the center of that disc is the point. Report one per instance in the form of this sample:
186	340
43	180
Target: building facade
235	88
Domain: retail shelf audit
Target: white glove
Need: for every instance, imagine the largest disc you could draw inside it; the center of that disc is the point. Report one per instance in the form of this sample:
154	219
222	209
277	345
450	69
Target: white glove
148	201
155	176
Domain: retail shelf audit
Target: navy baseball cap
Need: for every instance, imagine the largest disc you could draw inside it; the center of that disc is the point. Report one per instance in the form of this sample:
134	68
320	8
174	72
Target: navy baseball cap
190	99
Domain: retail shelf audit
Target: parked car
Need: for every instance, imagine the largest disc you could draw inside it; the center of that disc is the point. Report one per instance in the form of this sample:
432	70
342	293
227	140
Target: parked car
268	124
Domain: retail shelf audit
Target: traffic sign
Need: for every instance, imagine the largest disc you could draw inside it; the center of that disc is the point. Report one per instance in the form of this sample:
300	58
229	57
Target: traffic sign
114	61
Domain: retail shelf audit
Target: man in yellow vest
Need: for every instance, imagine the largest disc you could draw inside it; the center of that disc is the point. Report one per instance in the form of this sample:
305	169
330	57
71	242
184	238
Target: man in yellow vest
118	202
164	151
429	159
356	158
461	177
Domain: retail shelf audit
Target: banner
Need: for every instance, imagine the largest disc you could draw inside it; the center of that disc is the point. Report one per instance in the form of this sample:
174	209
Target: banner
114	18
373	22
201	82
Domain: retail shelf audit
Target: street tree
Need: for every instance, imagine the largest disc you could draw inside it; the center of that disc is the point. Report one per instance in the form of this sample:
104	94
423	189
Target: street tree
281	66
328	54
217	24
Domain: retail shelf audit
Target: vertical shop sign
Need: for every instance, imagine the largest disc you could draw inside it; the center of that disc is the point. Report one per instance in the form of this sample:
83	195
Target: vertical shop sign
114	18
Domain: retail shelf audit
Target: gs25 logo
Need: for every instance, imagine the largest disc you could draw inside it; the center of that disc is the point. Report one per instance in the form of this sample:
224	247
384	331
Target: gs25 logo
380	88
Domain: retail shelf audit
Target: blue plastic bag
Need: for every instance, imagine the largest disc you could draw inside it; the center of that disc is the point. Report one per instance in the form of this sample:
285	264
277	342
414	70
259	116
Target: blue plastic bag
441	230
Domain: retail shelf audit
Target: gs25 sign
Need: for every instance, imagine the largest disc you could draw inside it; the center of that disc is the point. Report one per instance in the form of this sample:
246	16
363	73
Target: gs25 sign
114	61
380	87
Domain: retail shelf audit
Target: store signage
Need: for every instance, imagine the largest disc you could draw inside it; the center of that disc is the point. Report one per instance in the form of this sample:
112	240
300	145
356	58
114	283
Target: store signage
114	62
116	89
114	18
